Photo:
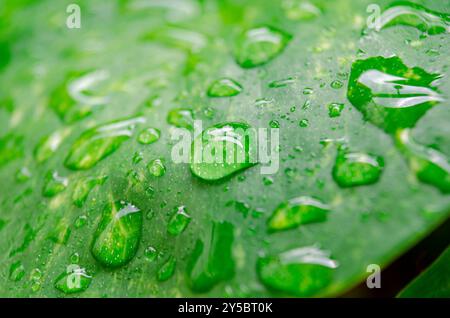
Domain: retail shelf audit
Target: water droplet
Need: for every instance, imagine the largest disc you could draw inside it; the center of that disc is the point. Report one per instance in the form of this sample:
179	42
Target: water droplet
148	136
75	258
48	145
11	148
301	272
335	109
274	124
74	280
80	221
336	84
224	87
181	118
54	184
16	271
308	91
429	165
212	262
221	151
303	123
23	175
355	169
267	181
260	45
150	253
167	269
301	210
83	187
99	142
118	234
179	221
60	233
137	157
415	15
283	82
299	10
389	94
156	168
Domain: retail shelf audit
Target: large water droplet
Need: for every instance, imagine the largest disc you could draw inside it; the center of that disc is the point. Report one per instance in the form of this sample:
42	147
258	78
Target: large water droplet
260	45
222	150
54	184
301	210
212	261
74	280
224	87
99	142
118	234
355	169
301	272
429	165
84	187
179	221
389	94
415	15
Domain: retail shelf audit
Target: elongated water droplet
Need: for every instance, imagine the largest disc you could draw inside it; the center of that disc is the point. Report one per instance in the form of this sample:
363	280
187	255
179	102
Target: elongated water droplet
222	150
11	148
99	142
60	234
260	45
167	270
54	184
389	94
301	210
224	87
74	280
355	169
181	118
212	261
429	165
156	168
118	234
148	136
16	271
48	145
301	272
283	82
415	15
179	221
83	187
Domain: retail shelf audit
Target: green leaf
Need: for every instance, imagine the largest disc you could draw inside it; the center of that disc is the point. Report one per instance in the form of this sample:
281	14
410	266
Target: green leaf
433	282
89	119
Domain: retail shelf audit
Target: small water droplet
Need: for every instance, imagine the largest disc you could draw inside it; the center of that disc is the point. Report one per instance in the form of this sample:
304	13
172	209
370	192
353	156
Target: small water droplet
224	87
80	221
48	145
335	109
267	181
179	221
274	124
181	118
23	175
54	184
283	82
83	187
297	211
11	148
336	84
148	136
156	168
16	271
299	10
303	123
260	45
150	253
118	234
167	270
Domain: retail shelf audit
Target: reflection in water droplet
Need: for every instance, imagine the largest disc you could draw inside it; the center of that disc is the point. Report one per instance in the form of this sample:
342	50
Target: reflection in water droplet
222	150
258	46
355	169
54	184
301	272
74	280
301	210
415	15
429	165
99	142
212	261
118	234
179	221
148	136
181	118
83	187
389	94
224	87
